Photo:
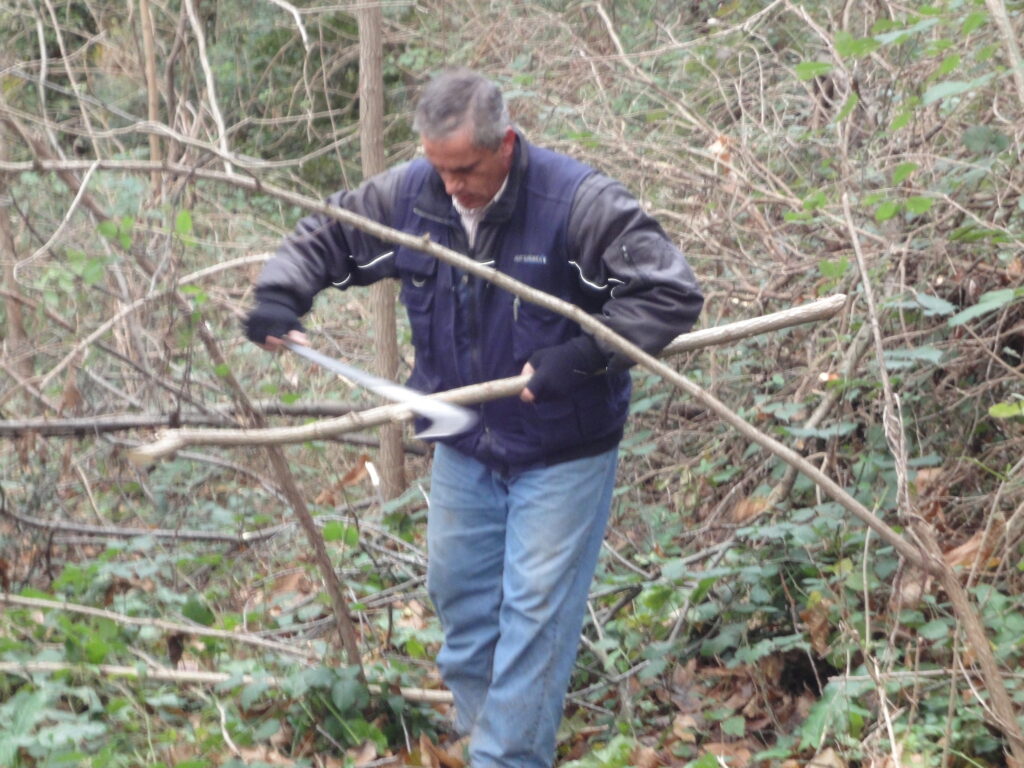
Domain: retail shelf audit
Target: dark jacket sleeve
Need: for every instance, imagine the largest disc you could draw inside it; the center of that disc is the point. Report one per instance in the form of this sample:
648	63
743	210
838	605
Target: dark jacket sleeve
324	252
650	292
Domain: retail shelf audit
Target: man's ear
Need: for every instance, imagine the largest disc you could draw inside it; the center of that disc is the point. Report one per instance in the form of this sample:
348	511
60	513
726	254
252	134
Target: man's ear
508	144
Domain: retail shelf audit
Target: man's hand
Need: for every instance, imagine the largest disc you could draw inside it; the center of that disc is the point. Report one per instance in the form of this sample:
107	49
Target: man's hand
557	371
272	320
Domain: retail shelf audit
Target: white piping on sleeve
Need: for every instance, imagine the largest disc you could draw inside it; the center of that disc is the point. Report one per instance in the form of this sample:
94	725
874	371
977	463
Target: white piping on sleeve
348	277
596	286
383	256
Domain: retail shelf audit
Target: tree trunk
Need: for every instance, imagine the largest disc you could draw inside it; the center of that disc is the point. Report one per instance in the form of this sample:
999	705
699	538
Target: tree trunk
15	339
371	129
152	91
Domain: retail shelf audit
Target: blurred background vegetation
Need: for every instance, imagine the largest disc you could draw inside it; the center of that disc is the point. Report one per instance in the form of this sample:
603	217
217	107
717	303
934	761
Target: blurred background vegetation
739	617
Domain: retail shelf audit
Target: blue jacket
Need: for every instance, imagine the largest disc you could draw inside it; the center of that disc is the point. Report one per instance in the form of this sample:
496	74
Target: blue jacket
466	330
559	226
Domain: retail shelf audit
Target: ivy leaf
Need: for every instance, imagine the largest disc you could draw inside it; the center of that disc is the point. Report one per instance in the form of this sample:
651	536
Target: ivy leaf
197	610
936	629
985	140
735	726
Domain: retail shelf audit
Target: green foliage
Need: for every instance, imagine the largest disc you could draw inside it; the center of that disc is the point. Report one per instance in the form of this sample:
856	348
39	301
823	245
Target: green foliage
900	116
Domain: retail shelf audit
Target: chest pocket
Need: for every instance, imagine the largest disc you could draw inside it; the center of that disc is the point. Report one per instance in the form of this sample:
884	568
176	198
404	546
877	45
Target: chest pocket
418	273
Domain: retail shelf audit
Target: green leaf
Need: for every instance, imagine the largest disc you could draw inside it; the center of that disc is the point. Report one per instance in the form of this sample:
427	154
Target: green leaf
335	530
815	200
886	211
252	692
896	359
973	21
267	729
899	35
903	171
936	629
933	305
988	302
197	610
108	228
919	204
948	64
1007	410
901	120
183	223
834	269
93	271
985	140
851	103
96	649
945	90
707	760
735	726
348	694
824	433
808	70
849	46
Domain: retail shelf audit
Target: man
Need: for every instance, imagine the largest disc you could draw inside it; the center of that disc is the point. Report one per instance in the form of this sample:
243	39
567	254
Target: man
519	503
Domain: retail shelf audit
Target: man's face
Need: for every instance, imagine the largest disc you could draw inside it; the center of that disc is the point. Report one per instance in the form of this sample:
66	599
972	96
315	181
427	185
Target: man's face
471	175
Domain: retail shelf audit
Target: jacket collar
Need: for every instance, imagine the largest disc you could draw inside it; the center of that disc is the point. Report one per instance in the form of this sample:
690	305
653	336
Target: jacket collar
436	204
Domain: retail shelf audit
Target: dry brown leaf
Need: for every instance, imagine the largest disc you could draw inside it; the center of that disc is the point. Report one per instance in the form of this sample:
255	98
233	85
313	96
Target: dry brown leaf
328	497
684	728
413	615
736	753
928	480
819	626
645	757
827	758
263	754
974	551
721	150
357	474
71	399
740	697
910	586
365	754
428	753
749	508
293	582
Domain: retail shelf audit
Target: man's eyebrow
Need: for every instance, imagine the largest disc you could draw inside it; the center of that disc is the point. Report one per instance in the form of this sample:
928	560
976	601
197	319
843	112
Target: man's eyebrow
463	168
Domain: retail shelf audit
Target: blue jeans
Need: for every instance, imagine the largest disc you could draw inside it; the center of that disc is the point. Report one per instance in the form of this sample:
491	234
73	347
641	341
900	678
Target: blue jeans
511	561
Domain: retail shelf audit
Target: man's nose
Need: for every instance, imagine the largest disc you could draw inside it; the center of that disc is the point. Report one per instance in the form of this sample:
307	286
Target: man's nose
452	184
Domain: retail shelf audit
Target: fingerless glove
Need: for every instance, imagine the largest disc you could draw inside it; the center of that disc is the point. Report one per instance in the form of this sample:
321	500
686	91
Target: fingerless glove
275	314
560	369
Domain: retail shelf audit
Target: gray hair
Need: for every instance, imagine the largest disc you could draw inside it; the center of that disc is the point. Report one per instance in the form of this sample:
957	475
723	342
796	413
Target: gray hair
462	97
